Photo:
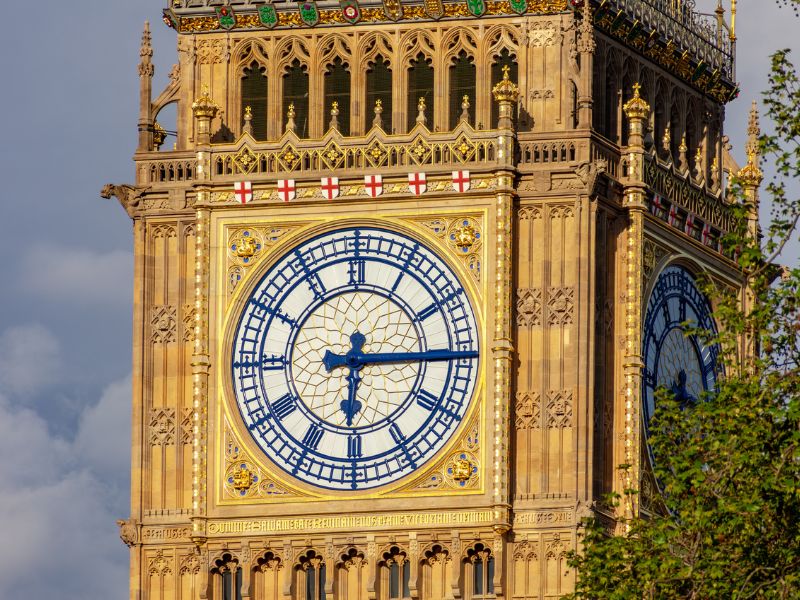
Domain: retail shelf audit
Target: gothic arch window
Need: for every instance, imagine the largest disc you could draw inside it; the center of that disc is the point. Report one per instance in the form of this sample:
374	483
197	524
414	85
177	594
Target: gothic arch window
420	90
479	576
295	94
379	87
337	93
254	96
226	583
310	572
611	106
660	122
435	572
351	575
502	60
267	577
395	575
462	87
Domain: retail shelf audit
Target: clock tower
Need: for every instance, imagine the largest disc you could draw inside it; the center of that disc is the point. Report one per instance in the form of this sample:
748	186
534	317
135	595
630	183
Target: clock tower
407	276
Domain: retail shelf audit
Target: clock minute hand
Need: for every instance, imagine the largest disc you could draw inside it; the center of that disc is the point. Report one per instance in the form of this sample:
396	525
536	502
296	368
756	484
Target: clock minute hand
357	360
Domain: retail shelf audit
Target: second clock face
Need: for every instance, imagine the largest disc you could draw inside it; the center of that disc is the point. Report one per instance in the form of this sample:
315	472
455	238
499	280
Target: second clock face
355	358
682	363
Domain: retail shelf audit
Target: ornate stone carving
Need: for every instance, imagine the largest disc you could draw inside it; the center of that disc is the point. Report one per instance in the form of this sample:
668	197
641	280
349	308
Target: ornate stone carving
210	51
128	531
190	565
163	324
529	307
531	213
159	565
128	196
652	255
560	306
188	322
525	551
528	410
162	426
542	34
559	409
186	426
555	548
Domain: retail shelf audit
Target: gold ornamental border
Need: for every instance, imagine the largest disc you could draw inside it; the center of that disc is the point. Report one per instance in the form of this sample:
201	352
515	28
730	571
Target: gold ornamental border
444	518
290	19
226	315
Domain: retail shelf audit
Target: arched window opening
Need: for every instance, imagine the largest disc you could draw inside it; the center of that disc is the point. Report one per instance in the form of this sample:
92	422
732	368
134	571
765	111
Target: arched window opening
482	562
311	576
462	87
227	579
420	91
337	90
573	91
267	577
395	575
379	87
611	108
254	96
295	94
504	59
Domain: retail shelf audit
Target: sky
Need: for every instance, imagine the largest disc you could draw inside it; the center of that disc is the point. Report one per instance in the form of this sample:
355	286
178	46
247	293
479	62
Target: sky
70	105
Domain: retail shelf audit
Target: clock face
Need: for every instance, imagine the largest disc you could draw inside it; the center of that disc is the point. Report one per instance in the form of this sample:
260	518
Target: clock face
684	365
355	358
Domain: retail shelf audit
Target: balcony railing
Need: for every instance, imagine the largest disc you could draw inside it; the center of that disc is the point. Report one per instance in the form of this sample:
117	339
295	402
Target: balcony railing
678	20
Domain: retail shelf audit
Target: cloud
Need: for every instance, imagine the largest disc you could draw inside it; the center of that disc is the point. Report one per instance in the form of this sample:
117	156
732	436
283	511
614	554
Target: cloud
79	275
30	360
59	500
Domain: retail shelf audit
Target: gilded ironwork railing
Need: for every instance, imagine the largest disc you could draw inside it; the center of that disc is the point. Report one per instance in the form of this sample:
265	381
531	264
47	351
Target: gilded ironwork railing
678	20
375	152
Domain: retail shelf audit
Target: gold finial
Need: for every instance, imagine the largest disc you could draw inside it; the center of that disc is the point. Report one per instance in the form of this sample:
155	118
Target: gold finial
465	109
334	107
248	120
248	112
334	124
421	118
378	121
290	115
505	90
159	135
683	148
751	175
204	106
637	107
733	20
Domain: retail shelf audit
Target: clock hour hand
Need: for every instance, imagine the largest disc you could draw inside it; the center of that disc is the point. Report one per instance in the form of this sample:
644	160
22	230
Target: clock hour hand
351	407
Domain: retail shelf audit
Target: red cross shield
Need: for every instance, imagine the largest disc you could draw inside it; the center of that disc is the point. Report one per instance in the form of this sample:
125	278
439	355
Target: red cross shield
243	190
287	189
461	181
417	183
330	187
374	185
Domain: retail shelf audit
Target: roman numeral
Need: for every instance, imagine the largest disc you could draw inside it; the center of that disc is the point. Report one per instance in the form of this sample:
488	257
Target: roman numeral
427	400
284	406
273	363
356	272
396	434
427	312
354	446
313	437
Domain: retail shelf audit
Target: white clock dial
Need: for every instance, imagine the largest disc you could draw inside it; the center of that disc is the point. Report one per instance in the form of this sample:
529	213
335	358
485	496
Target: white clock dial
355	358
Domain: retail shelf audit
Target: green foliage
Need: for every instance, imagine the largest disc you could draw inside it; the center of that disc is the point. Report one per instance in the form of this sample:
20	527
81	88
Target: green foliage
729	466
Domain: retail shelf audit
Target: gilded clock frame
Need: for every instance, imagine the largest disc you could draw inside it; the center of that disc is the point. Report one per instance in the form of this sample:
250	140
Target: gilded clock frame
226	308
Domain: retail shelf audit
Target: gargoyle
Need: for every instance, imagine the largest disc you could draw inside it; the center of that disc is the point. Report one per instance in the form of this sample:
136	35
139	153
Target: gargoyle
127	195
589	171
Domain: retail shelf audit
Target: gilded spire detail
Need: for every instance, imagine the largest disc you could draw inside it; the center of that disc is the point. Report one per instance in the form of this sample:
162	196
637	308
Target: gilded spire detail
505	90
